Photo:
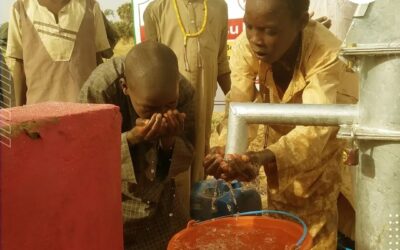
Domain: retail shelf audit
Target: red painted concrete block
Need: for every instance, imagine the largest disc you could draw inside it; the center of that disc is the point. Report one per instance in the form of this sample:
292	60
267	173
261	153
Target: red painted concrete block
60	177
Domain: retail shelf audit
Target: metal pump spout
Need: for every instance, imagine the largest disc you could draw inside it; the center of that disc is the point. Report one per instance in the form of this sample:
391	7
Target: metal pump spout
243	114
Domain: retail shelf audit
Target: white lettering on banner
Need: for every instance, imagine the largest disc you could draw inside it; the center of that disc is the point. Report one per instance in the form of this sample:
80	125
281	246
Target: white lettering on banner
233	30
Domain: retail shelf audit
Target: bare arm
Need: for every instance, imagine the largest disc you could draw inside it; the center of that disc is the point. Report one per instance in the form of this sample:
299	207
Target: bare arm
150	24
103	48
224	75
20	87
224	82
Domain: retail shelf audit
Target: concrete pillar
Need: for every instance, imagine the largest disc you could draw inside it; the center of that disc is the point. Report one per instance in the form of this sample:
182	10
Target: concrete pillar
60	177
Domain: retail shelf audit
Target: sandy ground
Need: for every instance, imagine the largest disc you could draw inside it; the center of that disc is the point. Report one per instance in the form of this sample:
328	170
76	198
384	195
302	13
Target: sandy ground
122	47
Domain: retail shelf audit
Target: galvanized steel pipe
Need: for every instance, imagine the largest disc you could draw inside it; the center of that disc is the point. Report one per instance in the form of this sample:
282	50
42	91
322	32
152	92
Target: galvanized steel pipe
373	45
378	176
243	114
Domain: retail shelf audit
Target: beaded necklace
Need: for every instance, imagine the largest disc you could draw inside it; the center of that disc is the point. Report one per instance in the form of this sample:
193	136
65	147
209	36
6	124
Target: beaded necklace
187	35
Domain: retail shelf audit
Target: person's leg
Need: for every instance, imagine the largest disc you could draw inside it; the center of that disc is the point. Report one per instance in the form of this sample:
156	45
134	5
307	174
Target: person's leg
347	217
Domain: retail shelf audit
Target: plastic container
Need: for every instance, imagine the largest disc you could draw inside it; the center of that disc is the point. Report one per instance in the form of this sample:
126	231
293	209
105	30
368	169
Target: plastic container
214	198
244	232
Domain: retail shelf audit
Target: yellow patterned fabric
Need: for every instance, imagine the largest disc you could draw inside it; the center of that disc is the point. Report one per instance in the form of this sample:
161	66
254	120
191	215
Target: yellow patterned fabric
308	158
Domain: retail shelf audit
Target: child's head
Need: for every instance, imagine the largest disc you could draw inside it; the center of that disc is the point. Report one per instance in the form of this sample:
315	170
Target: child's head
273	26
151	78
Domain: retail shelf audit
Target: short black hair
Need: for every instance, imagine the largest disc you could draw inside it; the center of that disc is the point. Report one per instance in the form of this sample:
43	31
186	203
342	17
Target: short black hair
149	59
298	7
150	54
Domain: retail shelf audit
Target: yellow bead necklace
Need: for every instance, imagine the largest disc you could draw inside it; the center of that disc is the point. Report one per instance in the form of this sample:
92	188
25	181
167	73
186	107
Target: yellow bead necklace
186	35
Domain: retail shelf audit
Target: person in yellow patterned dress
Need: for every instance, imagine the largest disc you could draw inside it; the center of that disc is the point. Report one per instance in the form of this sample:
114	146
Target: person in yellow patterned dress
295	61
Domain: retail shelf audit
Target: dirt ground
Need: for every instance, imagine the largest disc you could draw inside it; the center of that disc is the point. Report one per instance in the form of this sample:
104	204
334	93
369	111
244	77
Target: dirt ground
122	47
